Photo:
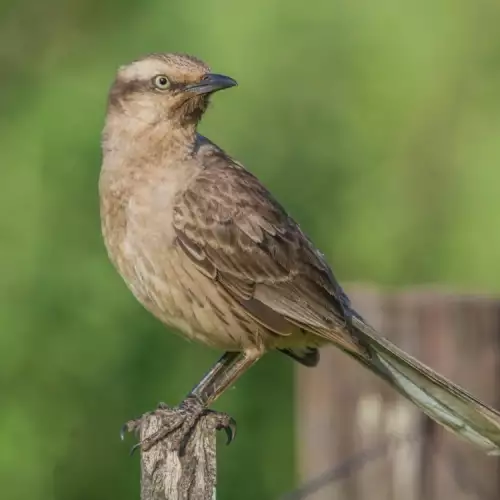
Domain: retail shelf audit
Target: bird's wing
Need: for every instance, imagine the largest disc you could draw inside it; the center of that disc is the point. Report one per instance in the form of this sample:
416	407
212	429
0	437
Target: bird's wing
236	233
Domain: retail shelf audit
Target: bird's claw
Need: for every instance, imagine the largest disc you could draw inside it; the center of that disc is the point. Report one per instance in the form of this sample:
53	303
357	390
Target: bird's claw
230	431
134	448
133	425
222	421
123	431
181	421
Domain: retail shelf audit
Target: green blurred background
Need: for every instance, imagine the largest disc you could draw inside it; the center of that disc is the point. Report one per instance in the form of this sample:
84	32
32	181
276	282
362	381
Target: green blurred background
376	123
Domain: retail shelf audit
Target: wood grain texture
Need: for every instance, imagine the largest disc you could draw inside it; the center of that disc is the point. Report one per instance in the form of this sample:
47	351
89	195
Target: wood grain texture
345	415
188	473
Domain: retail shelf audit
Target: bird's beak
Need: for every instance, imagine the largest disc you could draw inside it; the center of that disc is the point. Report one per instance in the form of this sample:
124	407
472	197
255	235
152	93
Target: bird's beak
211	82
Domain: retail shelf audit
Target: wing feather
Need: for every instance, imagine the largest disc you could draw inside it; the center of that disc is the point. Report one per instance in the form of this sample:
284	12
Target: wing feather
232	228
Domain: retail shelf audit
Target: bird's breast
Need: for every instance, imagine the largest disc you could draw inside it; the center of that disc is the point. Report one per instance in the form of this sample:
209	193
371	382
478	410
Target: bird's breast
141	243
167	284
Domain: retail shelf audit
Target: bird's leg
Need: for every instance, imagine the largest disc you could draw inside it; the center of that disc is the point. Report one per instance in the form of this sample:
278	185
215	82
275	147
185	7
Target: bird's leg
222	365
224	373
183	418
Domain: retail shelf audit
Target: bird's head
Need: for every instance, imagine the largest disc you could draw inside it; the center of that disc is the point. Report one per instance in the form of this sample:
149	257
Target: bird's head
165	87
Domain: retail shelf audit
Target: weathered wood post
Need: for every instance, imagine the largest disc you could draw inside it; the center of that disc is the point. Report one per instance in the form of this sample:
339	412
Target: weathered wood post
344	411
173	472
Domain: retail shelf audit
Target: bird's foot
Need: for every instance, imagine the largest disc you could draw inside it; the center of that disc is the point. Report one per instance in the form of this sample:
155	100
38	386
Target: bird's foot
178	424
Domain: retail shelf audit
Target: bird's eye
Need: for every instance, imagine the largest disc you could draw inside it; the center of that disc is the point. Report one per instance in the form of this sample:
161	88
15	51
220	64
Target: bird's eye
161	82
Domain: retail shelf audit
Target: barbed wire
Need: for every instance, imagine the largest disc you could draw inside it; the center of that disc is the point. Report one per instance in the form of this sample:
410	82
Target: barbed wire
462	476
346	468
356	462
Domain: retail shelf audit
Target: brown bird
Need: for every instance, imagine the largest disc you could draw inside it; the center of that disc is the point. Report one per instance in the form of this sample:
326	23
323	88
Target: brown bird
207	249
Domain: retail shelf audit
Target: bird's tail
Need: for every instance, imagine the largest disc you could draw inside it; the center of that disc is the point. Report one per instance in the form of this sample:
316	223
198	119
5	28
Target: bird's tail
442	400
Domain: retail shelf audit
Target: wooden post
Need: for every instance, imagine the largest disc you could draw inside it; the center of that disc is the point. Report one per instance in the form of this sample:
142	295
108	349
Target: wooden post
173	472
344	411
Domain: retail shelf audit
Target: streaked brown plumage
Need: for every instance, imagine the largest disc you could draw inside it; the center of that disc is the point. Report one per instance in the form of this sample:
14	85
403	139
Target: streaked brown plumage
207	249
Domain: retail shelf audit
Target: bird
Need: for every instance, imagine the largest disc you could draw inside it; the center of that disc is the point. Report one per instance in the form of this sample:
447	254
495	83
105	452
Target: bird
206	248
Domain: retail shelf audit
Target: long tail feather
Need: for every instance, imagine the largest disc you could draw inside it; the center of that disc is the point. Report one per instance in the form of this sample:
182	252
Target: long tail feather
442	400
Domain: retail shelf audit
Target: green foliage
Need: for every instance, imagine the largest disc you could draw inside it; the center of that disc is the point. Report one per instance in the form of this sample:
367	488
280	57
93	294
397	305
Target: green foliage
376	123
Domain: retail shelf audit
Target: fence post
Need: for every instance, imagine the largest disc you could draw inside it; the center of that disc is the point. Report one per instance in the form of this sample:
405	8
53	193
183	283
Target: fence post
186	474
344	411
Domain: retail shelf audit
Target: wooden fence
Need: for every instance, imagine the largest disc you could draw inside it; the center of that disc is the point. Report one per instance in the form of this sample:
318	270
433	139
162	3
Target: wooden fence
359	440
